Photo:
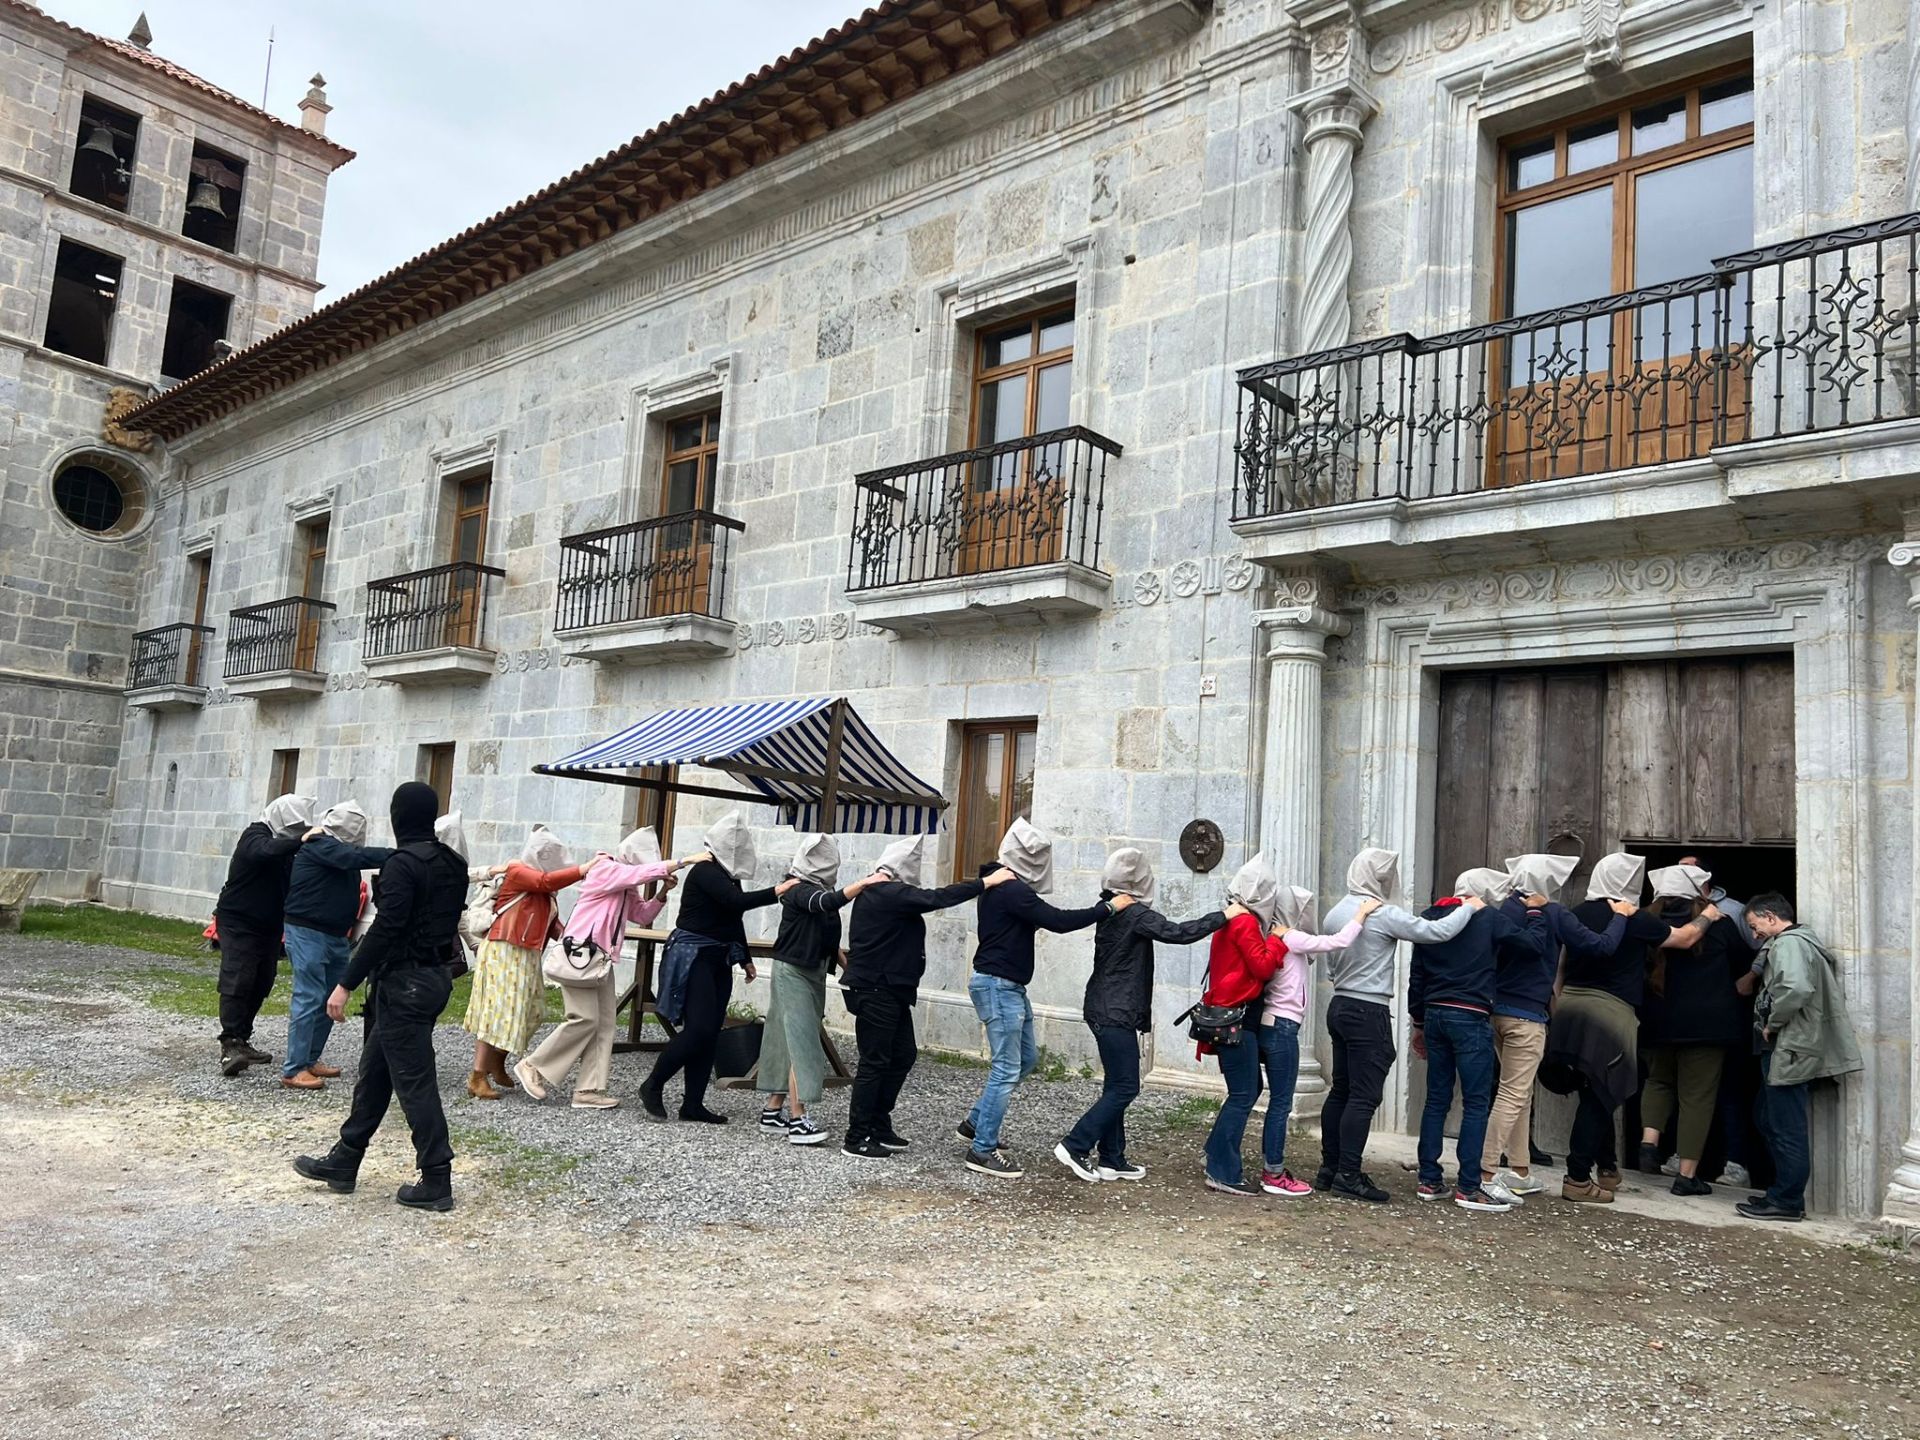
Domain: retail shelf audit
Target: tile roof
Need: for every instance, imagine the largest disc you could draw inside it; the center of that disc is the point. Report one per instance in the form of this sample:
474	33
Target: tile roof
875	60
166	67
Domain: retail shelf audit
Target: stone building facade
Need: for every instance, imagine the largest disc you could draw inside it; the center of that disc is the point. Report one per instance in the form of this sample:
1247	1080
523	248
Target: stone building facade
103	255
1344	451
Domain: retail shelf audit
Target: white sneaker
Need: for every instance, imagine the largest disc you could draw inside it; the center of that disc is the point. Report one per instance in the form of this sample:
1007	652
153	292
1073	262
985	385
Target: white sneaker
1672	1166
1498	1190
1079	1164
1128	1171
1520	1185
804	1132
1734	1175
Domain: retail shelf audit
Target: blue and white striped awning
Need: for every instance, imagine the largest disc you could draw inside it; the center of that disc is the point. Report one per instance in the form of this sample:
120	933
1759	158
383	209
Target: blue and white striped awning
780	748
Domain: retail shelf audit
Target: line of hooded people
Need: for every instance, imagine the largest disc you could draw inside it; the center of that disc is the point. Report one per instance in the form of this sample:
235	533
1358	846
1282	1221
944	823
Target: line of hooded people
1492	1005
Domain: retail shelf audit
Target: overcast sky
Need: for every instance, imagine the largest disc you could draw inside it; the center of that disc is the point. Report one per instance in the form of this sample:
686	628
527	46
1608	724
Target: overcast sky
459	109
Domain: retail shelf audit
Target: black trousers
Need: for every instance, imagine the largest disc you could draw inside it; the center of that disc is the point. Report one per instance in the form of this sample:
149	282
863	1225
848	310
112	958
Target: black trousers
883	1029
1361	1033
1594	1142
249	960
709	988
396	1058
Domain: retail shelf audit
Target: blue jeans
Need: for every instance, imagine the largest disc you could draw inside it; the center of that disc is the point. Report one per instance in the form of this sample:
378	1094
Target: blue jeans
1457	1041
319	962
1782	1113
1280	1057
1002	1007
1240	1068
1104	1126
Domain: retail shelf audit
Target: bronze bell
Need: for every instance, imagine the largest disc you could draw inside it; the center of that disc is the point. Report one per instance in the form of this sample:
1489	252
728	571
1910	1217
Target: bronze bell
206	198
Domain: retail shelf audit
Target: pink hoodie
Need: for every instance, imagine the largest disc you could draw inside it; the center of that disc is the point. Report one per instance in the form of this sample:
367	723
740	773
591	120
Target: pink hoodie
1286	993
610	901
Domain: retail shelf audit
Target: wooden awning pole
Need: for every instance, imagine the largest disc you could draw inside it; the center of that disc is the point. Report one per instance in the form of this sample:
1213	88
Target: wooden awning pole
830	778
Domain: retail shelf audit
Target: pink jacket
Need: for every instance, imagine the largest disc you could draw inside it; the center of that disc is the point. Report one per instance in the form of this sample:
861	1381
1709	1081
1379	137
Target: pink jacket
1286	992
610	901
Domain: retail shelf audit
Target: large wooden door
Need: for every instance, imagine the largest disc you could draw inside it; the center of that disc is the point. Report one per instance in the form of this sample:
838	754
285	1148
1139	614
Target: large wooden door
1016	503
682	562
313	581
472	504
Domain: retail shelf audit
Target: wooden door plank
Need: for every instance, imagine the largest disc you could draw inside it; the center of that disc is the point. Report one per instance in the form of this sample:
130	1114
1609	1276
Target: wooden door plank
1570	819
1461	790
1516	760
1710	766
1767	755
1640	800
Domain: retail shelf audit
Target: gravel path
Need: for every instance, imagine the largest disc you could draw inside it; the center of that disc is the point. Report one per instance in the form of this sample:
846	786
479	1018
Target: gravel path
606	1275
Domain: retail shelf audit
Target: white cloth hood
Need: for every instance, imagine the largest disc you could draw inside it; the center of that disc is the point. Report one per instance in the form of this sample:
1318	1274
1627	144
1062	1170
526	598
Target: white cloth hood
346	822
642	847
1128	873
289	814
902	859
544	850
817	859
452	833
1617	877
1296	907
1375	874
1541	874
1028	852
1680	882
1484	883
1255	887
732	845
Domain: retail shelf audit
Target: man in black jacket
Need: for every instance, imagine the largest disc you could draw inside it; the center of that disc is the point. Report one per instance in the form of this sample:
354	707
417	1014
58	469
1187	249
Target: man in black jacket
1002	970
406	955
886	960
248	917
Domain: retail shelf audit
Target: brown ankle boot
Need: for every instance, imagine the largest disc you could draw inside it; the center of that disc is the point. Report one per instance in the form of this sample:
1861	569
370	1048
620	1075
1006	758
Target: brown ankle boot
478	1087
497	1073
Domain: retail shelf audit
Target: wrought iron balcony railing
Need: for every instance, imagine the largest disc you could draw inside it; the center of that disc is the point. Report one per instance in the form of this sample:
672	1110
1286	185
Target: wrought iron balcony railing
428	610
1007	506
279	635
1807	337
670	565
170	655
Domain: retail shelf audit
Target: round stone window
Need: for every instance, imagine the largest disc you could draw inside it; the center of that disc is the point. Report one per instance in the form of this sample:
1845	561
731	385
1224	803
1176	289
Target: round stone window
99	494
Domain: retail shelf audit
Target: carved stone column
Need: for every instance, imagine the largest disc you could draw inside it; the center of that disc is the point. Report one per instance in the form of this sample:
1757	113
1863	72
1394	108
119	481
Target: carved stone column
1903	1189
1295	636
1913	104
1334	114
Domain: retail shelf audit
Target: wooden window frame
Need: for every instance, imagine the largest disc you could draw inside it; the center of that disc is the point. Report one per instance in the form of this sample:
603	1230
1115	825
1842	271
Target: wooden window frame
1036	321
283	774
200	584
706	452
429	762
462	512
1012	730
320	529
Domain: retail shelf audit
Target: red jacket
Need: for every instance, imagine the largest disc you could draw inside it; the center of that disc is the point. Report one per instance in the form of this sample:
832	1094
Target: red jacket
530	923
1240	960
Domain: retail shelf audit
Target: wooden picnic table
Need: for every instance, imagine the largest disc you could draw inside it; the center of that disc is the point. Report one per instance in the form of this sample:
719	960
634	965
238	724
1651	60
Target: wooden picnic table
641	1000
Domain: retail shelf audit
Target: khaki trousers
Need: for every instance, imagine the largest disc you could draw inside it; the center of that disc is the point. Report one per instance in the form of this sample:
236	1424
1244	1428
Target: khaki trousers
1689	1076
584	1038
1520	1045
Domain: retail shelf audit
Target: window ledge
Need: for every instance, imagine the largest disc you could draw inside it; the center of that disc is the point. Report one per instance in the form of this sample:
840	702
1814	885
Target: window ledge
277	684
647	641
961	602
167	697
442	665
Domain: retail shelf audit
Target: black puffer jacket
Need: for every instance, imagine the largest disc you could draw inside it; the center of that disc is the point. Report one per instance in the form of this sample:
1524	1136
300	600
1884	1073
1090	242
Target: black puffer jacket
1696	1003
255	895
1120	990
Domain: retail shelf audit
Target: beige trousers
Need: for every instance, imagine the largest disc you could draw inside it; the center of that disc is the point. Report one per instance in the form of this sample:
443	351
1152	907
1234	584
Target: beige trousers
1521	1045
584	1038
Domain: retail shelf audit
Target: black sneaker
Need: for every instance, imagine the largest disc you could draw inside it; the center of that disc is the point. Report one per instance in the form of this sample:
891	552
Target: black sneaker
1358	1185
890	1140
233	1060
650	1101
867	1149
995	1162
702	1116
774	1119
964	1129
1649	1159
1761	1208
1121	1169
1690	1185
1081	1165
1322	1178
1537	1156
339	1169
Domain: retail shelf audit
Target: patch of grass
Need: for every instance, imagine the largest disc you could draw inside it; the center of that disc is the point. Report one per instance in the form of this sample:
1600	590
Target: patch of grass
514	1162
1195	1112
129	929
1050	1066
960	1059
192	990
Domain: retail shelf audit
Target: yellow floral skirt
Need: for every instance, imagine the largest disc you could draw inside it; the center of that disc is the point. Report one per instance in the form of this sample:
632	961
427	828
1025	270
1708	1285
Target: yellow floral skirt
508	1000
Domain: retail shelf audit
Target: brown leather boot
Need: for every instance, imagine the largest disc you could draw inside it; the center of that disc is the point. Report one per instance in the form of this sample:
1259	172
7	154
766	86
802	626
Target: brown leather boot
497	1072
1608	1180
478	1087
325	1072
303	1080
1584	1192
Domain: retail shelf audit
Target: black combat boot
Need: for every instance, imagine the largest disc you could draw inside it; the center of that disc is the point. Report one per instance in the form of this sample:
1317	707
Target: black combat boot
432	1191
255	1054
339	1168
233	1058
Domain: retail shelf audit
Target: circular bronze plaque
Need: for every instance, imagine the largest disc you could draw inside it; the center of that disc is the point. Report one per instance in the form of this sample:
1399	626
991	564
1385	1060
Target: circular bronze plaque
1201	846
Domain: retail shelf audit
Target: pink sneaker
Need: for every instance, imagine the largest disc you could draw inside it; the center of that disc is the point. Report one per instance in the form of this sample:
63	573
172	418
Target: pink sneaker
1284	1184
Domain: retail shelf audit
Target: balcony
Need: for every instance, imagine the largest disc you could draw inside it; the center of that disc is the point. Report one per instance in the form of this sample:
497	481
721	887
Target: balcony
429	627
653	590
1005	531
164	670
1741	397
273	650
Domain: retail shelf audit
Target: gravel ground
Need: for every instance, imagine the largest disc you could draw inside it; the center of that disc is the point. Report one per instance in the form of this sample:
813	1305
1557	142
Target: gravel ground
606	1275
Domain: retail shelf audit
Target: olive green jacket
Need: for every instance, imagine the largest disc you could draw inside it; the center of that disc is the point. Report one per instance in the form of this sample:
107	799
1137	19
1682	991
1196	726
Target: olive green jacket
1801	1004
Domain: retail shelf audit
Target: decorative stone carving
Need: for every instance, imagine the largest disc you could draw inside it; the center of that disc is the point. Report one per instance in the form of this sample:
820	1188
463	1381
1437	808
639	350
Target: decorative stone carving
1146	587
1599	33
1239	572
1185	579
1334	114
121	400
1902	1203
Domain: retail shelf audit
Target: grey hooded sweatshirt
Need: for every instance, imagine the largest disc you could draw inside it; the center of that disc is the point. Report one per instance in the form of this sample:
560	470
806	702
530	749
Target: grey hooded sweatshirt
1365	969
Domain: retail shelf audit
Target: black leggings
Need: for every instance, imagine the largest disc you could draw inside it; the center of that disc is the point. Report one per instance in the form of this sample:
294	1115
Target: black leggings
709	988
1594	1143
1361	1033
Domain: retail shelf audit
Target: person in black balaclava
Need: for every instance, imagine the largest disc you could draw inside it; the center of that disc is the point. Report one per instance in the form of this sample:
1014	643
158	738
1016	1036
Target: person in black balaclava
406	956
